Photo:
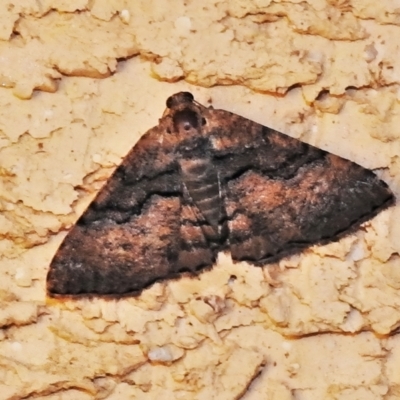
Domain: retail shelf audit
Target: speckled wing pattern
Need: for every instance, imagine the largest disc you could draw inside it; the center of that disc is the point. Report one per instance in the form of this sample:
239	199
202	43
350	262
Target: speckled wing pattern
204	181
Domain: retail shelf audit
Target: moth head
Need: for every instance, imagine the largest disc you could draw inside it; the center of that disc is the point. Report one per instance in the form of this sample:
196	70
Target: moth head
184	115
179	98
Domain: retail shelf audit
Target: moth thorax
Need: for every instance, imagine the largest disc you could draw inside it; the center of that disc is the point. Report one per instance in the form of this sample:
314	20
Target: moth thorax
186	120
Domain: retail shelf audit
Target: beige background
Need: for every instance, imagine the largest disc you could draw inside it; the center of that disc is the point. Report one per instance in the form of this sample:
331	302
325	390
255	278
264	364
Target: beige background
81	81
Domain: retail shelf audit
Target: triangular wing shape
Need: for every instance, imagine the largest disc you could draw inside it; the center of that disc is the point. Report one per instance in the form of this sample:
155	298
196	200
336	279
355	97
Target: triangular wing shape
266	195
283	195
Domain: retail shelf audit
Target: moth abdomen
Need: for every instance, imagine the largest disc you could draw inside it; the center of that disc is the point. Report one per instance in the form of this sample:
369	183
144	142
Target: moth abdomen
202	182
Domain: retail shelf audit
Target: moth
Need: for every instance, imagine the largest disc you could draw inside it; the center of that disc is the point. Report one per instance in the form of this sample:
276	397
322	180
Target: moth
204	181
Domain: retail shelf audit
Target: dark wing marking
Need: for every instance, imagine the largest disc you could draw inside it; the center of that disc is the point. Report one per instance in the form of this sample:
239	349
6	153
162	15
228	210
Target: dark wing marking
167	210
283	194
129	233
132	234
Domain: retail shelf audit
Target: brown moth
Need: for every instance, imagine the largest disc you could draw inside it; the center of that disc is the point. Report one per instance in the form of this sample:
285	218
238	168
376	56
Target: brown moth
204	181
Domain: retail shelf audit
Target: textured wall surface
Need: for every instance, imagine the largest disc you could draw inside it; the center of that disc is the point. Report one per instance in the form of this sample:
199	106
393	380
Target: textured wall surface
80	82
